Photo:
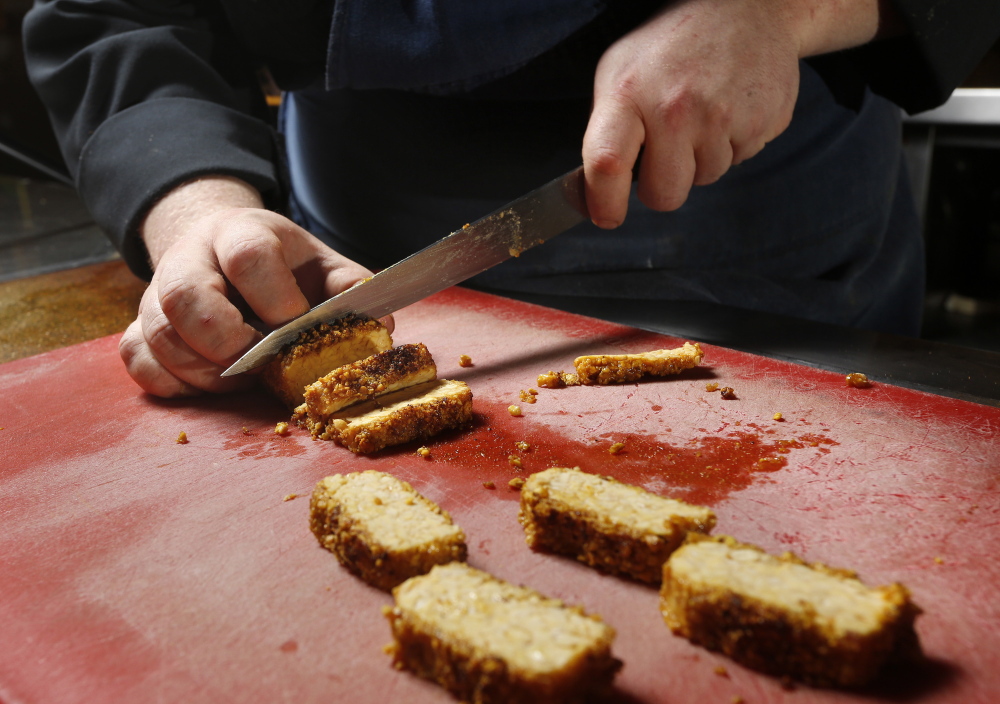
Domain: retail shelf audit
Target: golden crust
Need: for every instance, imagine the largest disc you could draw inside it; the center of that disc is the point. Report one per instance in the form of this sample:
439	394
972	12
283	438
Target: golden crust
381	529
606	524
365	379
783	616
418	411
623	368
319	350
486	640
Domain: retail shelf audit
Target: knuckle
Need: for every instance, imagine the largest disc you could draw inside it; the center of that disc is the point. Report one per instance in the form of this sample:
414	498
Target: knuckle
175	294
244	254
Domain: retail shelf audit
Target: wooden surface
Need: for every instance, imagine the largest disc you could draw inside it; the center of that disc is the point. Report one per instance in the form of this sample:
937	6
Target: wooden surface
50	311
139	569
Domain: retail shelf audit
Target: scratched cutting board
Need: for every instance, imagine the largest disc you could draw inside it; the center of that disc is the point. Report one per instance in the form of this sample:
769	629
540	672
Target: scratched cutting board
137	569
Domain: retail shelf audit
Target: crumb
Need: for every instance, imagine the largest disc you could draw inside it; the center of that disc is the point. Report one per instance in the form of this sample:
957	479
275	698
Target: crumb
515	461
289	497
514	410
550	380
526	397
570	379
522	446
727	393
737	699
721	671
939	560
465	226
778	417
489	485
281	428
388	648
616	448
712	386
424	452
182	438
533	392
465	361
246	431
857	380
516	483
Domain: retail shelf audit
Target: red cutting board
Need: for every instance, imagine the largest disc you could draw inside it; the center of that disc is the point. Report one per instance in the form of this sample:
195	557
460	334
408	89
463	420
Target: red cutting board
137	569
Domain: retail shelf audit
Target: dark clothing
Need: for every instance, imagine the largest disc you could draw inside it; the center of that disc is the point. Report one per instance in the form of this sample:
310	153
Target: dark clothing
147	94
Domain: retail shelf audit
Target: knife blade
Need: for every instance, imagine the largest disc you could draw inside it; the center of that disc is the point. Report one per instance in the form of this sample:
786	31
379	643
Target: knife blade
520	225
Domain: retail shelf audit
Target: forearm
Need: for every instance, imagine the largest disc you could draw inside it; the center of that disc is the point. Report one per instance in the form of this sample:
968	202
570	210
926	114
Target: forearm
825	26
180	208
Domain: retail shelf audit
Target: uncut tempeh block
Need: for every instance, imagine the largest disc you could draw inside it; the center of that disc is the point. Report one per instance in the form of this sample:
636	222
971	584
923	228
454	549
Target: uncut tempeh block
418	411
381	529
486	640
623	368
379	374
320	350
606	524
782	616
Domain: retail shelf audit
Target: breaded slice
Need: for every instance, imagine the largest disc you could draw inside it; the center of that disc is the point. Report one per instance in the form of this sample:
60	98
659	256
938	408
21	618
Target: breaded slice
486	640
365	379
606	524
622	368
381	529
418	411
782	616
320	350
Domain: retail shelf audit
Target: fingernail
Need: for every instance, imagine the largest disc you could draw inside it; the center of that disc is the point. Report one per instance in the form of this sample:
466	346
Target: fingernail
607	224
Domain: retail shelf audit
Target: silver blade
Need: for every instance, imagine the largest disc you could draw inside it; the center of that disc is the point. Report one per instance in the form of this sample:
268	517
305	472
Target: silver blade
504	233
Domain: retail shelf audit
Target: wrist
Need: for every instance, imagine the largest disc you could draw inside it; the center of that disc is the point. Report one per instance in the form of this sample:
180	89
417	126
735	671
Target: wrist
174	213
824	26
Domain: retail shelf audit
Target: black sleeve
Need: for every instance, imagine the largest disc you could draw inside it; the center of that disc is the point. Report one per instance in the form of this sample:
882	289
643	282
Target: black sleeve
144	95
944	41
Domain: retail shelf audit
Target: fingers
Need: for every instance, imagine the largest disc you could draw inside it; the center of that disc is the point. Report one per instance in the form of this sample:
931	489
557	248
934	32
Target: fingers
611	145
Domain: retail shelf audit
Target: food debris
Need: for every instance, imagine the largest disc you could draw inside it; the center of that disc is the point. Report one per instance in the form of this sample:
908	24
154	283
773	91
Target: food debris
516	483
182	438
246	430
465	361
490	485
550	380
712	386
522	446
939	560
778	417
514	411
857	380
616	448
515	461
737	699
281	428
424	452
721	671
527	396
289	497
727	393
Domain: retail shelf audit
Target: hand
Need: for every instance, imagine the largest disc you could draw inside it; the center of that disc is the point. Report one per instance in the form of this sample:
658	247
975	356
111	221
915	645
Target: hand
217	253
703	85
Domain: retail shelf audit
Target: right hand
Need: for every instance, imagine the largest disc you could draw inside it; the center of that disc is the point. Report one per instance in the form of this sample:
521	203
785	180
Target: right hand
211	262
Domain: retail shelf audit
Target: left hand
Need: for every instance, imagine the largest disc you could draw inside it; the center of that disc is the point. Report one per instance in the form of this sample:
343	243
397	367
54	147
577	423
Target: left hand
701	86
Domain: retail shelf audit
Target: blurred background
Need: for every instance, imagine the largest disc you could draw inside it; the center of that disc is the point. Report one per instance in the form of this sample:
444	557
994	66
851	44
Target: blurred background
953	152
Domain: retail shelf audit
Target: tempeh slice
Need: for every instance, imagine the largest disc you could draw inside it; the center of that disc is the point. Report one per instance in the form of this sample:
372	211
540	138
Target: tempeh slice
623	368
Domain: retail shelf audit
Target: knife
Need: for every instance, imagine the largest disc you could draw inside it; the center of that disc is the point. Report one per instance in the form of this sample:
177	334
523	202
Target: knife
528	221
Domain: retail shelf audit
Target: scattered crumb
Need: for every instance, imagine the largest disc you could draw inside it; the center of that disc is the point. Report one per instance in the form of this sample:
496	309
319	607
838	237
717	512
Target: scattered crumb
522	446
424	452
616	448
289	497
465	226
939	560
516	483
281	428
737	699
465	361
712	386
550	380
182	438
721	671
727	393
388	648
778	417
245	430
527	397
570	379
490	485
515	461
514	410
857	380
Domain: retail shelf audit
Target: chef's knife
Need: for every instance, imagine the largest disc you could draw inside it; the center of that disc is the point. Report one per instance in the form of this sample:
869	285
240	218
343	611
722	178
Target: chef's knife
504	233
